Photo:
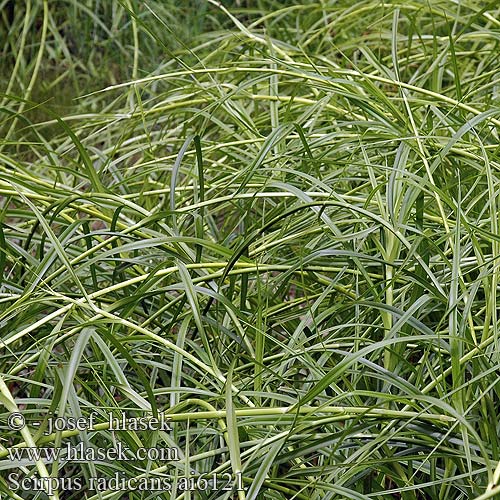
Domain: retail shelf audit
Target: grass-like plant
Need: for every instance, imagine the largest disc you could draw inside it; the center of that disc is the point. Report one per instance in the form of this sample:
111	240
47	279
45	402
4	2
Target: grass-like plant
276	222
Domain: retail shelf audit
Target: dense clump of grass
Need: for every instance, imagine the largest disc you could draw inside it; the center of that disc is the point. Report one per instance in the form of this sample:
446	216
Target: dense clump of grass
278	222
